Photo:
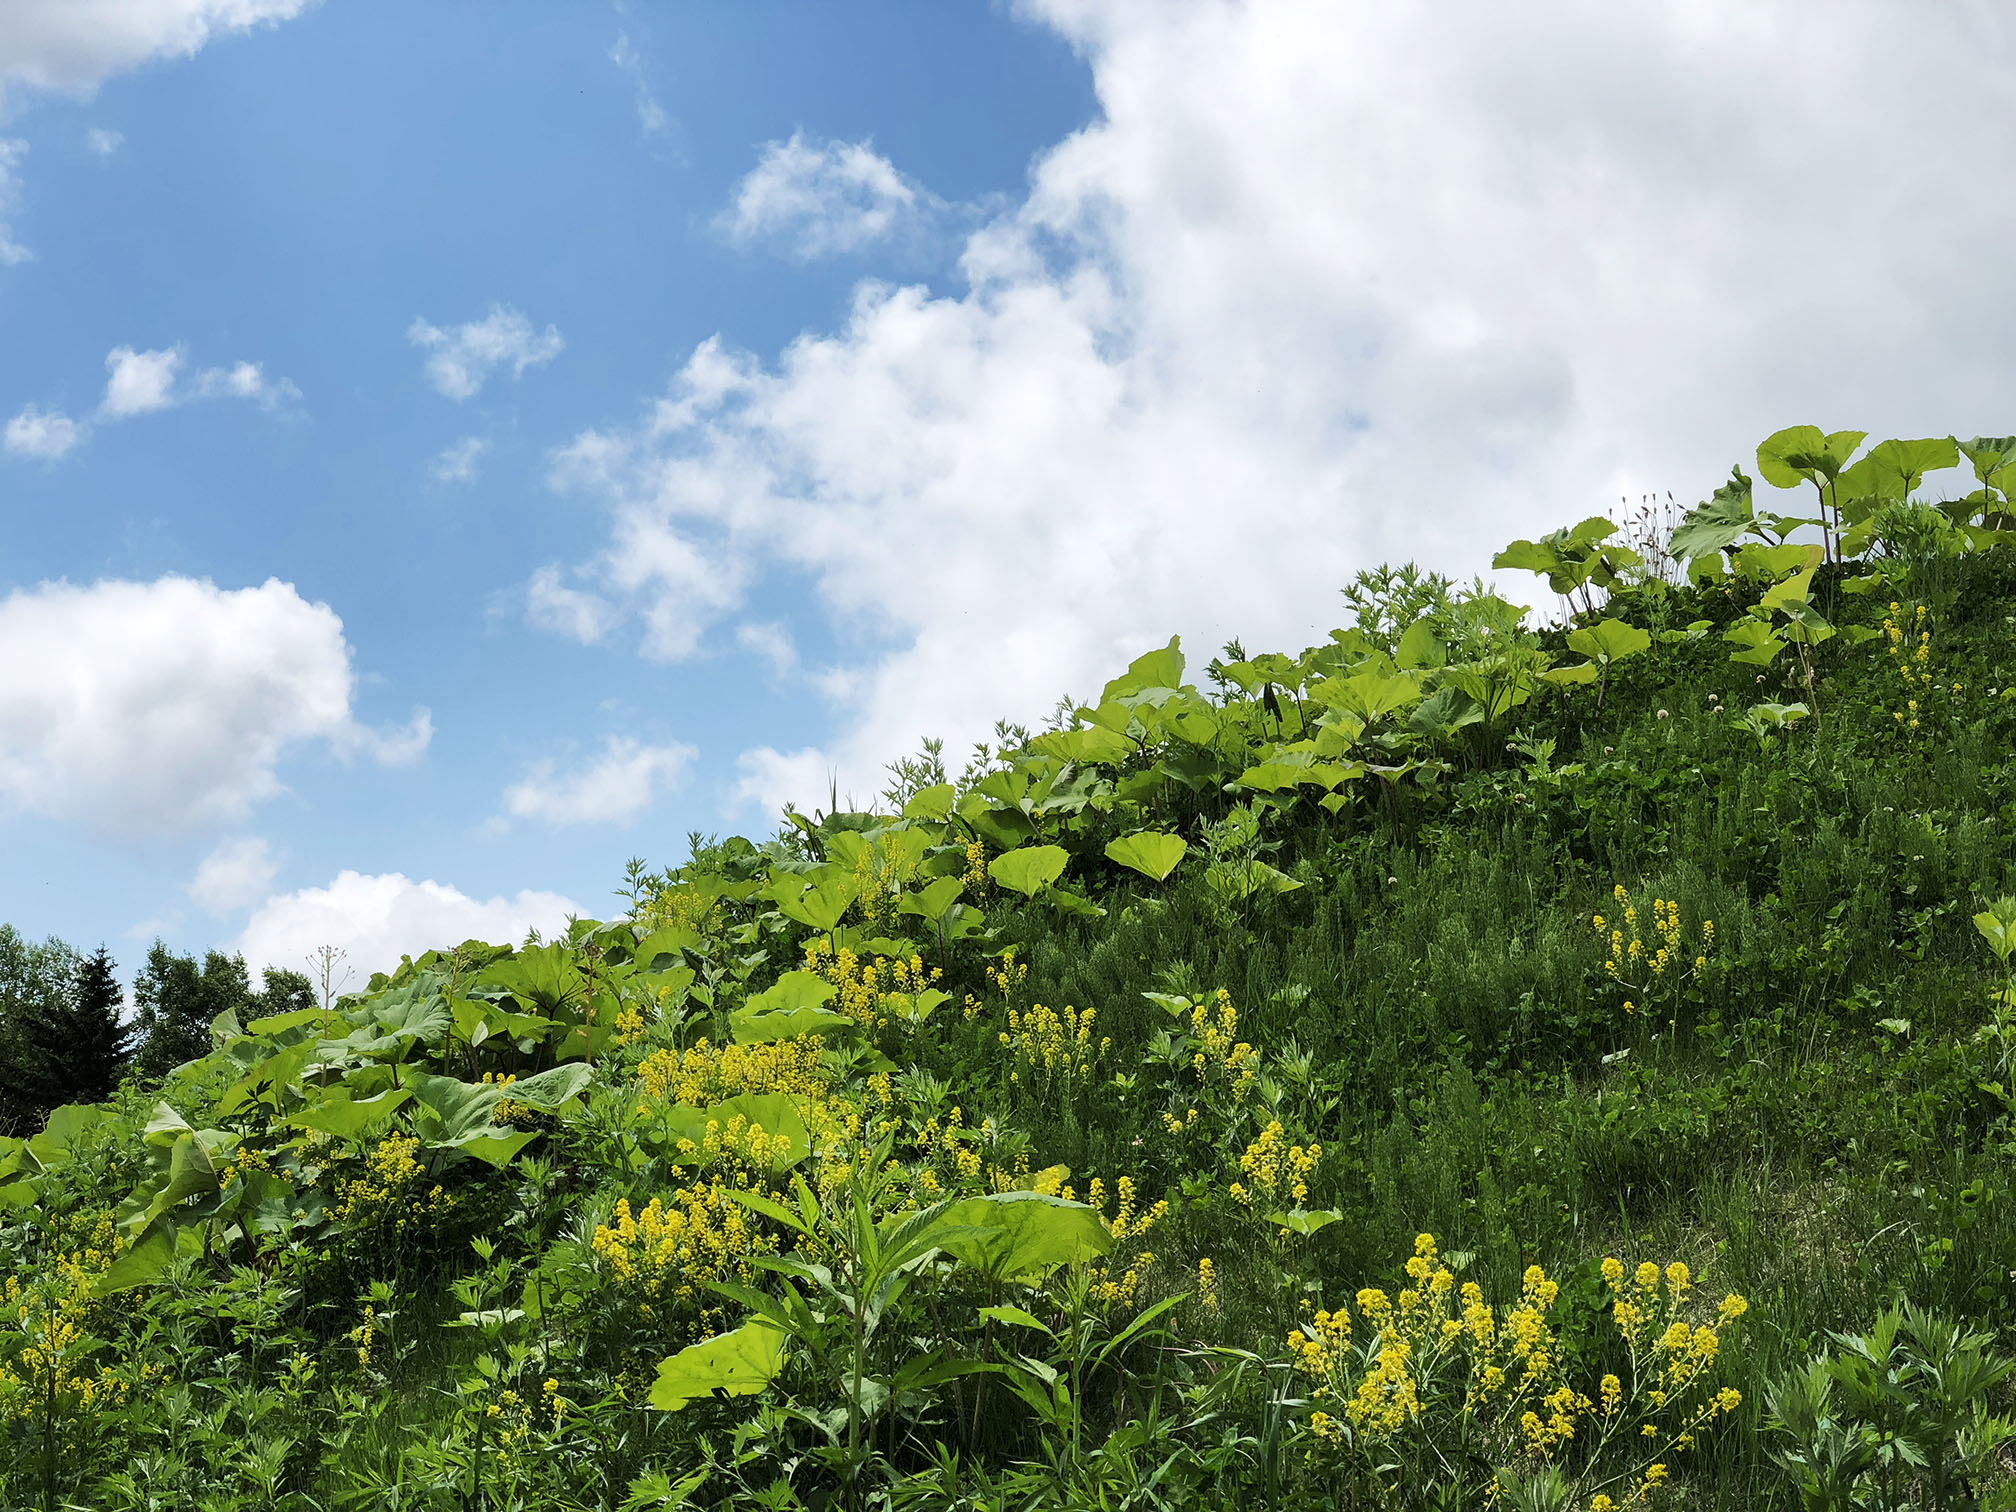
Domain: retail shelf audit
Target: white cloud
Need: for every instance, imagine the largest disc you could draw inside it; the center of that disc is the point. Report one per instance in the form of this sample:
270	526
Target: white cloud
815	199
74	45
615	787
651	117
462	357
551	605
772	642
247	380
141	382
768	778
138	709
104	141
458	463
377	919
1326	285
11	151
235	875
43	434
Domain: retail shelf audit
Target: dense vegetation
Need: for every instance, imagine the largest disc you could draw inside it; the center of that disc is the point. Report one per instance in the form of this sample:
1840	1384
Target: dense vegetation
1453	1065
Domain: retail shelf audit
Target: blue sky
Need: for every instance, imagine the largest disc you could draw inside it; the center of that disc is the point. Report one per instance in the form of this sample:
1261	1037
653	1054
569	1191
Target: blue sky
681	406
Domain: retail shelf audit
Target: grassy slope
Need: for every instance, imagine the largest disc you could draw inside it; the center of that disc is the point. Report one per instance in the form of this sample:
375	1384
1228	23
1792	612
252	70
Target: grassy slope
1472	1072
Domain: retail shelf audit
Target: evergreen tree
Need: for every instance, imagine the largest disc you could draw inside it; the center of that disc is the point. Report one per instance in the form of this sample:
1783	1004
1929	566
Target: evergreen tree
98	1044
176	1001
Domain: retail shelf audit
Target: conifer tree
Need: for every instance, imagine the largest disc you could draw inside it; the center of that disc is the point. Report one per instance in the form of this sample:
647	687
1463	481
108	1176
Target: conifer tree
97	1044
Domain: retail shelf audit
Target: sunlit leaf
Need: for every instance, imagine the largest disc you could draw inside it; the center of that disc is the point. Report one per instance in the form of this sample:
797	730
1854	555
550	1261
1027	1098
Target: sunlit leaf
1151	853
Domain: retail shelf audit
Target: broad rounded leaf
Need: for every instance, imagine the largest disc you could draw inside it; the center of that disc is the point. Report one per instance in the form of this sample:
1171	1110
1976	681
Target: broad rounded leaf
738	1363
1030	869
1609	640
1151	853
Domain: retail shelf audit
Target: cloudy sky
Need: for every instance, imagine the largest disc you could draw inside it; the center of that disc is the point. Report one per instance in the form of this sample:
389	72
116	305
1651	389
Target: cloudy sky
446	451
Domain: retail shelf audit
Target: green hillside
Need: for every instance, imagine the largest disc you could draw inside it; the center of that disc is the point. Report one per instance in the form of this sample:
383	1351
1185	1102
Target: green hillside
1453	1065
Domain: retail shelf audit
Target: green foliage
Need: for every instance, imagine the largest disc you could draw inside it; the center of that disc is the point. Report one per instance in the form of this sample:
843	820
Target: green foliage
984	1149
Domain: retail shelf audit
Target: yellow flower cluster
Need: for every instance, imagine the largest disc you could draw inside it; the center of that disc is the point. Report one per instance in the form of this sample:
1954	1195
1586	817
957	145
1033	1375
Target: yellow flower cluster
51	1318
950	1158
1274	1168
873	991
975	875
1515	1406
1050	1044
880	873
507	1111
705	1074
1914	666
1648	956
1220	1053
681	907
665	1252
1207	1284
388	1193
243	1163
1120	1275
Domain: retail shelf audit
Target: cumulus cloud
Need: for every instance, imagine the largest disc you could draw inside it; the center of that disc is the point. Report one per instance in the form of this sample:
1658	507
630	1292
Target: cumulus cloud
462	358
459	463
616	786
104	141
235	875
141	382
377	919
146	708
74	45
12	149
45	435
818	199
1325	285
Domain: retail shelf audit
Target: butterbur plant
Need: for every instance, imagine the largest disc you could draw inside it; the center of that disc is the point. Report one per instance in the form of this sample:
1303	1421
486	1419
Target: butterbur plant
1436	1397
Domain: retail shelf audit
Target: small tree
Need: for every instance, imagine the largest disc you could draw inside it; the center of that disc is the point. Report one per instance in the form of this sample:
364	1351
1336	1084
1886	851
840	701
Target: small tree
177	1000
36	990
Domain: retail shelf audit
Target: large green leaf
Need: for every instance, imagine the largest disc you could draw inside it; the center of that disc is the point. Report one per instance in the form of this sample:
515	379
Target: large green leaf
1017	1234
1420	647
550	1090
544	978
1091	744
816	901
1151	853
1156	669
786	1023
1897	467
1368	695
1805	454
931	902
738	1363
663	946
794	989
1030	869
1722	520
337	1112
1609	640
141	1261
931	804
